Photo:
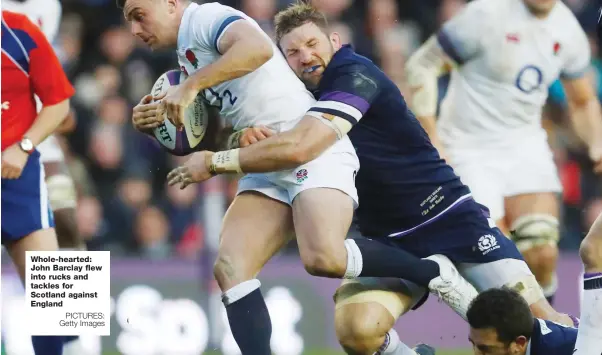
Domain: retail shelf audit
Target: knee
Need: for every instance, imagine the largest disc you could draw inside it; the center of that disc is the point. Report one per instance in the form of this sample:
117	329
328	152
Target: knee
325	263
591	252
542	260
361	328
546	256
228	272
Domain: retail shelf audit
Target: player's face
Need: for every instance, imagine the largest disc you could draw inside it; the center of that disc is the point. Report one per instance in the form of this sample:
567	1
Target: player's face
152	21
308	50
486	342
540	7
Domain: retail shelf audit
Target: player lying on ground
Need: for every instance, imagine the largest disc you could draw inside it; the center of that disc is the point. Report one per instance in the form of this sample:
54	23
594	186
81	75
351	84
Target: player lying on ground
505	55
410	198
234	65
29	66
501	324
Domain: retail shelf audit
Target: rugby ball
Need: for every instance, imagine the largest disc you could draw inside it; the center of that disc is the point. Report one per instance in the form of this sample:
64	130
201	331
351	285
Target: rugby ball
196	119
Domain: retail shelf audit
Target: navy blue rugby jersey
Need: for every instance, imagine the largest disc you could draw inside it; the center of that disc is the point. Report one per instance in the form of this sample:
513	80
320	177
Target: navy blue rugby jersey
402	182
551	338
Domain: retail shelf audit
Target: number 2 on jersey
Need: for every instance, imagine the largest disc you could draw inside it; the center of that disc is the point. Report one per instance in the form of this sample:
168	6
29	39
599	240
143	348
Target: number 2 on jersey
226	95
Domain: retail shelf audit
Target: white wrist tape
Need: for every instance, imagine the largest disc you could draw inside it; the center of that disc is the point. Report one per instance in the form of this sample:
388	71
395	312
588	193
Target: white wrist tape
226	162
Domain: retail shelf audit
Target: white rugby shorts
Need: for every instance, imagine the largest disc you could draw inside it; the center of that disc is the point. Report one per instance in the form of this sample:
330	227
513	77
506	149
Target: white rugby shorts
335	168
493	172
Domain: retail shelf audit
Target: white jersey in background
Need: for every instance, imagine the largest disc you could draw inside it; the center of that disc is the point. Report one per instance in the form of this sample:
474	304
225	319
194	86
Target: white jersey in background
508	58
44	13
47	15
271	96
490	119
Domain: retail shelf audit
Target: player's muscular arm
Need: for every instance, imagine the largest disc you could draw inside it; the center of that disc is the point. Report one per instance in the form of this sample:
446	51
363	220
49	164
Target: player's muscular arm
244	49
305	142
457	42
423	69
586	115
342	104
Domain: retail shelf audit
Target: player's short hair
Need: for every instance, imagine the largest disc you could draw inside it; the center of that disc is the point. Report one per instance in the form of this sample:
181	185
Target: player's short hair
504	310
120	3
296	15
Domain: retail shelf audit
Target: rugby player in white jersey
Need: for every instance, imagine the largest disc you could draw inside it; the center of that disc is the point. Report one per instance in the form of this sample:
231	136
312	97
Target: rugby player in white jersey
237	68
61	189
504	56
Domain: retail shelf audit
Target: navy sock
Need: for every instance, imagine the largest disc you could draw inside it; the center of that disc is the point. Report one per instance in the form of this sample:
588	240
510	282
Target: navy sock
249	318
381	260
69	338
47	345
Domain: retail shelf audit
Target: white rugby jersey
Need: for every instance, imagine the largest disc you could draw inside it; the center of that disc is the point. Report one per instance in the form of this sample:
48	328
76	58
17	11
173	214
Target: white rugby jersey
271	96
507	60
44	13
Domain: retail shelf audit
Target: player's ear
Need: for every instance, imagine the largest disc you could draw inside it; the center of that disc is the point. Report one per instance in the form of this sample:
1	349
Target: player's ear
521	343
335	40
172	5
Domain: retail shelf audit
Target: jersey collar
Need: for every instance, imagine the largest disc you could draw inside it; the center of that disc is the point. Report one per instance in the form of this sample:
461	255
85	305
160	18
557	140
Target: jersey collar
528	348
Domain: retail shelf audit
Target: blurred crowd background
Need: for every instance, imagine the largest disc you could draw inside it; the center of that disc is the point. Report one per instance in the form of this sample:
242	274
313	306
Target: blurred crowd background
125	205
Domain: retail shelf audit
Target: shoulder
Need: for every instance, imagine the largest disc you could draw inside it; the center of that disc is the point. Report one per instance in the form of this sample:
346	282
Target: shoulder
22	27
215	10
567	28
347	62
483	9
564	17
15	20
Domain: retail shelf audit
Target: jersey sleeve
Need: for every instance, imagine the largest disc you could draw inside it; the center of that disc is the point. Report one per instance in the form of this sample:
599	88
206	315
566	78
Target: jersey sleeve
578	57
460	37
349	96
210	22
48	79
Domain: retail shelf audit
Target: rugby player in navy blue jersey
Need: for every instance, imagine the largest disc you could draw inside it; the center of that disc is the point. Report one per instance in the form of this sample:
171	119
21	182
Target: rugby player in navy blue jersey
409	197
501	324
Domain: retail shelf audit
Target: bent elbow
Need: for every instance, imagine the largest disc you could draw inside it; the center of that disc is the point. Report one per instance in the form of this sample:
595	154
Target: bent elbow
265	52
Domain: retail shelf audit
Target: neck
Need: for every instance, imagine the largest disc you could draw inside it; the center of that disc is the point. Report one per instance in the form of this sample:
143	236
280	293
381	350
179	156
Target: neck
182	6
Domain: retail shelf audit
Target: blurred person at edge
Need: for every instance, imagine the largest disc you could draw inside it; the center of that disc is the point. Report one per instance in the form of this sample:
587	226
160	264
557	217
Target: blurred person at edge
29	68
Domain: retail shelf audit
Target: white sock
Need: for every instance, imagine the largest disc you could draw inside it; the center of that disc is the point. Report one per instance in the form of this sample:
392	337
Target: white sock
589	337
355	262
239	291
394	346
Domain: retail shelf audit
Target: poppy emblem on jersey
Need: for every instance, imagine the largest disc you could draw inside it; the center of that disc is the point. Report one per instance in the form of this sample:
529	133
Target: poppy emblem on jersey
556	47
512	37
192	58
301	175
